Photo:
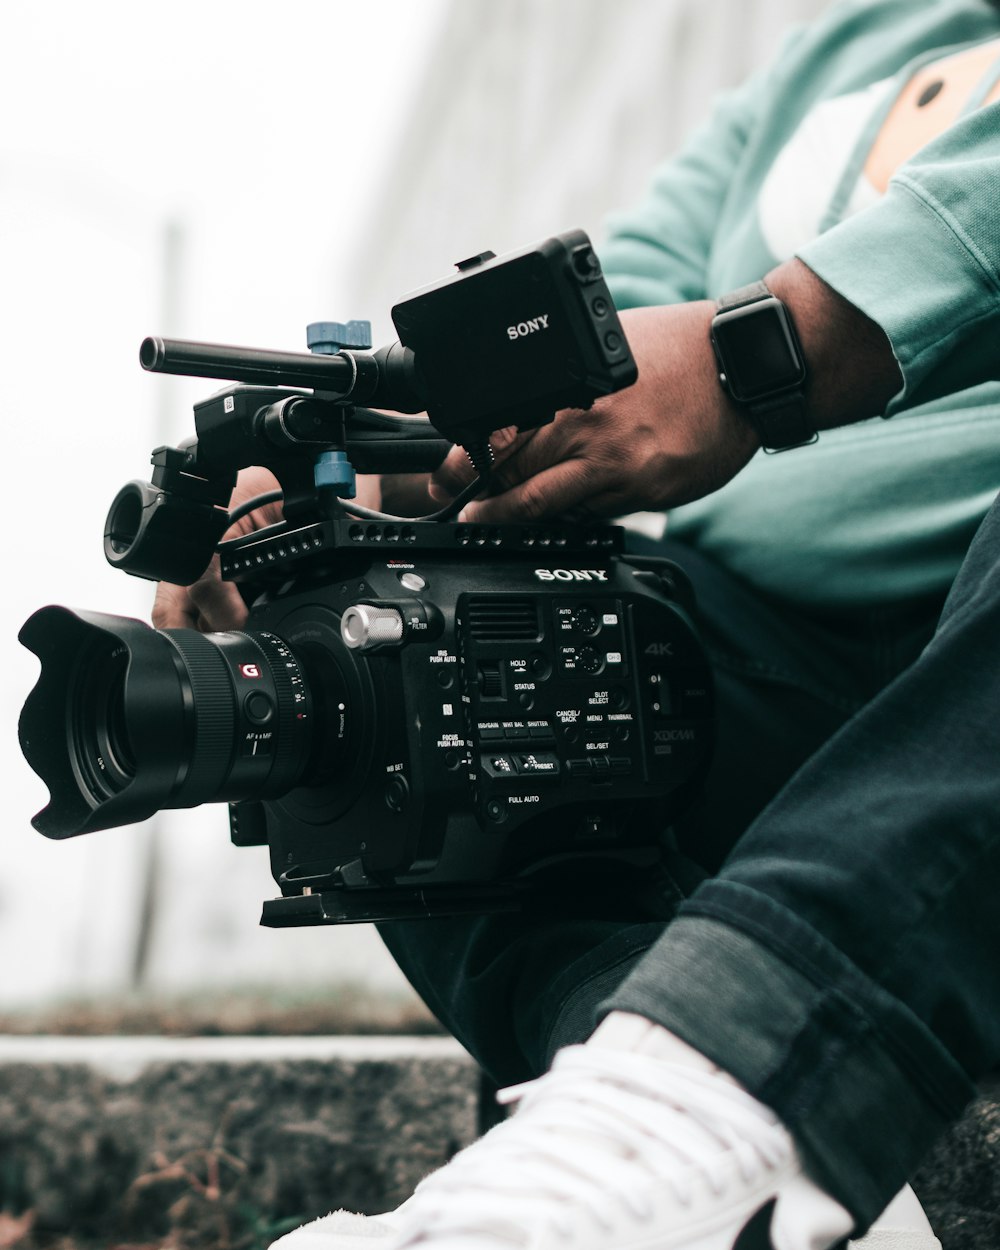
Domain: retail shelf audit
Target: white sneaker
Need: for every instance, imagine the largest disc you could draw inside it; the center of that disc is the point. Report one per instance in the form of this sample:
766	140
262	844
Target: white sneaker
901	1226
341	1230
617	1150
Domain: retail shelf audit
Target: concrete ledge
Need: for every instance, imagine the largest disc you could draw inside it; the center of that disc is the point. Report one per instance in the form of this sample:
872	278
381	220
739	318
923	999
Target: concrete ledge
959	1184
127	1139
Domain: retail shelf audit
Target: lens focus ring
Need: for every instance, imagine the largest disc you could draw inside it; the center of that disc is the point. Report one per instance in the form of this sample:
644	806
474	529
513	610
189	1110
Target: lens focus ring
213	711
233	752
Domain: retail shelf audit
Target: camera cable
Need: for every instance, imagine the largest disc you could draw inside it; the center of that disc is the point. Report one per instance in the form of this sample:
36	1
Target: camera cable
447	513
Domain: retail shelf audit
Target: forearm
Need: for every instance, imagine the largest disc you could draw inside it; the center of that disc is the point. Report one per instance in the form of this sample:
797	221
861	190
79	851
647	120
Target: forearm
851	372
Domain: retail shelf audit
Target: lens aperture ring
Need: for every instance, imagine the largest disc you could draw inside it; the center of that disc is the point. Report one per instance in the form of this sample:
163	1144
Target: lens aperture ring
292	713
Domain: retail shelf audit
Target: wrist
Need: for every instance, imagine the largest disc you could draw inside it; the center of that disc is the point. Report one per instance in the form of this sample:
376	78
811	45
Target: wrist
851	371
761	367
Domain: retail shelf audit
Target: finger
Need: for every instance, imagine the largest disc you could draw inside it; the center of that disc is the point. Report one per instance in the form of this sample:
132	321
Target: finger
250	484
210	603
548	493
456	471
219	604
451	477
173	609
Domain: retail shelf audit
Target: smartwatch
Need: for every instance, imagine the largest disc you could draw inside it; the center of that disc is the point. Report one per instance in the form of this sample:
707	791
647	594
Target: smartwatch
761	365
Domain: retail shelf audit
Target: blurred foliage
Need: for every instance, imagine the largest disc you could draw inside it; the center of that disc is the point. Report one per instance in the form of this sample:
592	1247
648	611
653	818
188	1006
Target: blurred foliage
202	1199
198	1201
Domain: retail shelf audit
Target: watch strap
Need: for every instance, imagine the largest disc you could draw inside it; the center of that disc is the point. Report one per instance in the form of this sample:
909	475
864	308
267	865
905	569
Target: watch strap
744	295
781	422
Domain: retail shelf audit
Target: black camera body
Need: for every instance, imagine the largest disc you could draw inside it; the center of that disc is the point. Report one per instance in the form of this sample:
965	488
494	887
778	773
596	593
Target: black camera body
511	698
420	717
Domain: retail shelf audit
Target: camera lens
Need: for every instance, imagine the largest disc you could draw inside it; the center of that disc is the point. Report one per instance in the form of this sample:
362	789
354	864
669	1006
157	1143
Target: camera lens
126	720
98	724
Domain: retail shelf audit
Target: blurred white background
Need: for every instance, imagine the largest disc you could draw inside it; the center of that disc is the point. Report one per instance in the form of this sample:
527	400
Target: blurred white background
231	171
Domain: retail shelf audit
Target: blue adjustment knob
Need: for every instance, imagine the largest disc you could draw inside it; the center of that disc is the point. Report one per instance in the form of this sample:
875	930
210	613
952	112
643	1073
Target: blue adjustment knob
335	472
326	338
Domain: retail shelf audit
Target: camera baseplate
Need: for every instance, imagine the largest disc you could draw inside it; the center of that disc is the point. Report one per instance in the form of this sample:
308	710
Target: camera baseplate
381	905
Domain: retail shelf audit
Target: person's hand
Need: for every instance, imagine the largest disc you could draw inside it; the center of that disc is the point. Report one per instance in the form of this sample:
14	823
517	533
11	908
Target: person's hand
675	435
210	603
671	437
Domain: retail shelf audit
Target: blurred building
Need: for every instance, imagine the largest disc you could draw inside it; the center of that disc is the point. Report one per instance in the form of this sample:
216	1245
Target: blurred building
537	116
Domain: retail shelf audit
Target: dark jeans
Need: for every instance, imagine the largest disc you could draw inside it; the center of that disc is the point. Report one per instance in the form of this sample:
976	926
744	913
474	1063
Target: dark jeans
828	928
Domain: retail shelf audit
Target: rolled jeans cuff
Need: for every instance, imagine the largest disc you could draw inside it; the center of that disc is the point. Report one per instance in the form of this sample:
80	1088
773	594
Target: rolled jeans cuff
860	1082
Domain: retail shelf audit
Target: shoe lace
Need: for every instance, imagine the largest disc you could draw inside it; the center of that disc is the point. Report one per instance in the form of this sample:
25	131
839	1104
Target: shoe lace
600	1132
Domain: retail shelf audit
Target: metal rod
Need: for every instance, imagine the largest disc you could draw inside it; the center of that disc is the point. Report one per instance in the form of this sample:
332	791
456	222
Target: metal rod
248	364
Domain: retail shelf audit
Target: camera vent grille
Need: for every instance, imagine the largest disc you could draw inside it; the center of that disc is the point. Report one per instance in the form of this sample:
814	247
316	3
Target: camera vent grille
496	619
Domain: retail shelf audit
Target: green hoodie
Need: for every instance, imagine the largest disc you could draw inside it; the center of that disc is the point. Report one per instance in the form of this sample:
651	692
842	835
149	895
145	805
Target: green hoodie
880	512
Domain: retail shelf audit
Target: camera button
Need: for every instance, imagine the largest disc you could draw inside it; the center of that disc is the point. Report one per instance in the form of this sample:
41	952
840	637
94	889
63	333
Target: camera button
539	665
538	764
586	264
499	766
364	626
397	793
258	707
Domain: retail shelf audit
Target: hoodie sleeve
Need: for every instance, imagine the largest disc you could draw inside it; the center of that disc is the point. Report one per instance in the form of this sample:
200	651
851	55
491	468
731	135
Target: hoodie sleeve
658	251
924	263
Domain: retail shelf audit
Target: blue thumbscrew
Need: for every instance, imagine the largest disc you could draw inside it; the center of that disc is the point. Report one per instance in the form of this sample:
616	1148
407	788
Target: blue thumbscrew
332	470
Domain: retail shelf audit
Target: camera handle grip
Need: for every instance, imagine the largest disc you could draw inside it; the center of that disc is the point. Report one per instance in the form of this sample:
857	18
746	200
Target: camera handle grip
378	442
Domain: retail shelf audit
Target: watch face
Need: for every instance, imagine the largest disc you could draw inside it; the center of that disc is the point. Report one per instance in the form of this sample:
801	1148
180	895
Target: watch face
757	350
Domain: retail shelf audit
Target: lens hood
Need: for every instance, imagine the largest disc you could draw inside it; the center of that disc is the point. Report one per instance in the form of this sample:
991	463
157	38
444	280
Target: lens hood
127	719
104	765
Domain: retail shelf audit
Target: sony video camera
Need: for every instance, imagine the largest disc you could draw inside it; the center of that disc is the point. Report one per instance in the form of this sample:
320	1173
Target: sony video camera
421	717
